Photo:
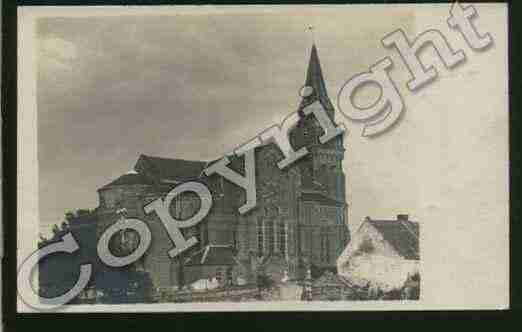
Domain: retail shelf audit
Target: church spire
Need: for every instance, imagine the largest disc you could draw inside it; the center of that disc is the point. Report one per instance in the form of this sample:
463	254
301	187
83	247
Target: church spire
315	81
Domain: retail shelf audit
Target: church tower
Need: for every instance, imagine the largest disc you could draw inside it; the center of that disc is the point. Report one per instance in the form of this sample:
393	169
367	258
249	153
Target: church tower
322	169
322	229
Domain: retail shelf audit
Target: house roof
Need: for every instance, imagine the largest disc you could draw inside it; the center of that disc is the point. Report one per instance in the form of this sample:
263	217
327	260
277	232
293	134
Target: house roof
170	169
320	198
213	255
402	235
128	179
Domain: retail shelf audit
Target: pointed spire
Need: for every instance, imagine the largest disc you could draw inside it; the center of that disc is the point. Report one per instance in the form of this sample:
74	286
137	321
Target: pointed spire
315	80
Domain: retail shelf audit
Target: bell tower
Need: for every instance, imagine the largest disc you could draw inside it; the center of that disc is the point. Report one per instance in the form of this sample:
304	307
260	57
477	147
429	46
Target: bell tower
322	170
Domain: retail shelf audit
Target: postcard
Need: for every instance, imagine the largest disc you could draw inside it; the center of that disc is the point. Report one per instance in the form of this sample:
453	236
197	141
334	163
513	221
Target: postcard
263	158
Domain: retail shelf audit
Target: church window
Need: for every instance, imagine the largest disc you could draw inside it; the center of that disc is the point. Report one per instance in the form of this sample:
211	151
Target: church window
260	236
205	233
202	233
196	232
325	254
178	207
110	200
184	206
276	236
308	214
305	132
270	236
282	237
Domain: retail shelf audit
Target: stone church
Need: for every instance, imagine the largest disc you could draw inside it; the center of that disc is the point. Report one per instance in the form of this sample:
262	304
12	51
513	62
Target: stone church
299	222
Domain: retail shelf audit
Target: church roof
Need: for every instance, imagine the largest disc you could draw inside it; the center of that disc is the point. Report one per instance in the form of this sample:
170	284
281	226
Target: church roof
402	235
213	255
170	169
314	78
128	179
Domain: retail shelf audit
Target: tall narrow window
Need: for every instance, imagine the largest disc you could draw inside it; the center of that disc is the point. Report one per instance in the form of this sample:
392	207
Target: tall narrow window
198	232
321	238
282	238
327	246
325	255
276	236
204	233
308	215
270	236
260	237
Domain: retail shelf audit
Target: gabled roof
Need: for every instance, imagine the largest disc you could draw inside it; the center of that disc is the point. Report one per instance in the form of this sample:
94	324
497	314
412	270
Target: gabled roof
127	179
402	235
314	78
170	169
213	255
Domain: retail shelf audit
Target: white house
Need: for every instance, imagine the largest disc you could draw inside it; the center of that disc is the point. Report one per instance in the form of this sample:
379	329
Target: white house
382	253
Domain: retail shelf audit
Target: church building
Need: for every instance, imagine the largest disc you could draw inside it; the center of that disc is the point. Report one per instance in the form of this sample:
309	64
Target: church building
299	223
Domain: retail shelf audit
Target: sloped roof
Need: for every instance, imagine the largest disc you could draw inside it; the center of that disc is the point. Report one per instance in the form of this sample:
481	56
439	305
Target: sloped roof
213	255
320	198
127	179
402	235
170	169
314	78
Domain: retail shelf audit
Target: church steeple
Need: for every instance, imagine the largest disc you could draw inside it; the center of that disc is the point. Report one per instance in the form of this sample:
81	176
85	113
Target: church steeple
321	171
315	80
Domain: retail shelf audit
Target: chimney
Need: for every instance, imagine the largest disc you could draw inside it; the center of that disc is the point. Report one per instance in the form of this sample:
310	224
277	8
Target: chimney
402	217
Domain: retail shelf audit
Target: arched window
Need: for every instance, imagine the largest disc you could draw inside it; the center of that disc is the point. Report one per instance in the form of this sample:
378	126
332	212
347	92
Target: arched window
202	233
184	205
260	237
282	237
325	252
270	236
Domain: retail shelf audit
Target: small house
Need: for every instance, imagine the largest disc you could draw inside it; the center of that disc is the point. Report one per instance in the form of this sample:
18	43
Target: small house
382	255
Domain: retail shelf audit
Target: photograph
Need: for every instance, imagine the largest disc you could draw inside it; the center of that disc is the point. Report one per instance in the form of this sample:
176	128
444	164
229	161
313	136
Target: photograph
263	158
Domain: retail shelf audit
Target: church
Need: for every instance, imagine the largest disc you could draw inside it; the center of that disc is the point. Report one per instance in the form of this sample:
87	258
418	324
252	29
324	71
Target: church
299	223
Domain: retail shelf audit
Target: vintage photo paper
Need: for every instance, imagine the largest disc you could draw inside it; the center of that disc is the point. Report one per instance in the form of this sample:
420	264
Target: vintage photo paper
260	158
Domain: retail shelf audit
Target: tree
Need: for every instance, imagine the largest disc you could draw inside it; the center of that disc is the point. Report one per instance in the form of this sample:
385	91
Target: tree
69	216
